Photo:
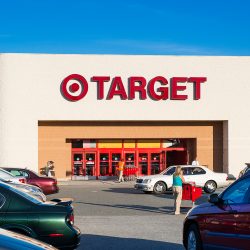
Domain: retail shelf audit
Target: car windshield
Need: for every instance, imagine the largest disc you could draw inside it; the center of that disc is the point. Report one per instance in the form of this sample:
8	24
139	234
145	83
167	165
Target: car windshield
27	196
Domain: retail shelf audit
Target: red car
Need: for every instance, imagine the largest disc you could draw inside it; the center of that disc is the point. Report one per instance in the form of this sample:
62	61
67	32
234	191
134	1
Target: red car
47	184
223	223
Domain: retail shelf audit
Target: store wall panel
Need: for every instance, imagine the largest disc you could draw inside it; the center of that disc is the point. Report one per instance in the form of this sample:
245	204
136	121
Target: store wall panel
109	143
129	144
149	144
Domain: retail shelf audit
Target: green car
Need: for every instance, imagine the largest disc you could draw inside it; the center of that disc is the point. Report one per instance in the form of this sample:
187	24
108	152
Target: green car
51	222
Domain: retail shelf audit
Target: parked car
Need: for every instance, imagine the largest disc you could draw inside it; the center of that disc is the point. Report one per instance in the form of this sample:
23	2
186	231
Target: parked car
10	177
32	190
13	241
51	222
223	223
245	171
47	184
202	176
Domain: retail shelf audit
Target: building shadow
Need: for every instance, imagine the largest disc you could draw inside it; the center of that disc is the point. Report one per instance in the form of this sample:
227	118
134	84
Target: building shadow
142	208
100	242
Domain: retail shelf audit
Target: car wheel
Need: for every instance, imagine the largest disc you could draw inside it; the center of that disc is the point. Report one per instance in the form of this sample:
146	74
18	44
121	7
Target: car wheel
193	238
210	187
160	187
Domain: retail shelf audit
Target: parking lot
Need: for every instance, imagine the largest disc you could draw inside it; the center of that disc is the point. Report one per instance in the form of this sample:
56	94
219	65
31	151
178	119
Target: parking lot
116	216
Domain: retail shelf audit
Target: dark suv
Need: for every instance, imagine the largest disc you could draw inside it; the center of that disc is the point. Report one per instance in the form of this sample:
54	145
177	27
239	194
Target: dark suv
223	223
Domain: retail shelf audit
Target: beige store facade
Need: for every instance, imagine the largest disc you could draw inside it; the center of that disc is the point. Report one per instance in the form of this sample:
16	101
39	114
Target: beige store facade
150	110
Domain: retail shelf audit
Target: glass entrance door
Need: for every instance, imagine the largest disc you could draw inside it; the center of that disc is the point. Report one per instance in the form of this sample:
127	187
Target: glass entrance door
116	157
104	164
129	159
90	164
77	168
143	163
155	163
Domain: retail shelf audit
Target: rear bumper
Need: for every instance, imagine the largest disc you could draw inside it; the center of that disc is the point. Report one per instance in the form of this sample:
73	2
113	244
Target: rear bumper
51	189
76	240
70	240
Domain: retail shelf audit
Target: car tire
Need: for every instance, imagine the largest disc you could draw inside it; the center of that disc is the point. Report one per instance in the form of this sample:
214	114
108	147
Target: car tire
193	240
160	187
210	187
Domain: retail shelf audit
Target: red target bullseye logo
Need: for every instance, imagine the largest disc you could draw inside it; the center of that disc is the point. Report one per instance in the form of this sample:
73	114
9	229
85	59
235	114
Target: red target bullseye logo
74	87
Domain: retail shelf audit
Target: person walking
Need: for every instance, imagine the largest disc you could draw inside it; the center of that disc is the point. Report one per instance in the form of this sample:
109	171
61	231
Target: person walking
178	179
49	166
121	164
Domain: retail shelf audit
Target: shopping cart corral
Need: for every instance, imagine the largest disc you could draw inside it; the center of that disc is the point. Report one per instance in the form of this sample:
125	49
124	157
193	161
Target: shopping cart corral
130	173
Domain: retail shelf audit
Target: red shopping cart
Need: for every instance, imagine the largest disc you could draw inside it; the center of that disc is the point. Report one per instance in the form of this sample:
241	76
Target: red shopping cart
130	173
191	192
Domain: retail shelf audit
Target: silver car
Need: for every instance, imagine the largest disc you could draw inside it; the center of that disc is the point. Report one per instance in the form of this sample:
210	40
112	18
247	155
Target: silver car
10	177
30	189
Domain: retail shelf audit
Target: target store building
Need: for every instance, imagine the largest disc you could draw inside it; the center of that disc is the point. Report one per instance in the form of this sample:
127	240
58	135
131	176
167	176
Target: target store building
86	112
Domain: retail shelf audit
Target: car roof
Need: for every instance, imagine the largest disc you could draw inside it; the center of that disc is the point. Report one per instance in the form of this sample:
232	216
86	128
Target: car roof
190	166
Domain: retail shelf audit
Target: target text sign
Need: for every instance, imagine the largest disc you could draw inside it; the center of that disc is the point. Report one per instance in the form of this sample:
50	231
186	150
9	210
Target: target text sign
75	87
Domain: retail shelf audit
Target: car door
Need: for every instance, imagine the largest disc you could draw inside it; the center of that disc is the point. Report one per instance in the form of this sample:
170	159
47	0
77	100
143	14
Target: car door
243	218
187	174
197	175
221	224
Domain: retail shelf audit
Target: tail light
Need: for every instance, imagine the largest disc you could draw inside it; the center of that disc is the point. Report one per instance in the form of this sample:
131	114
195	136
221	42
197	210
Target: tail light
22	180
70	219
227	178
56	235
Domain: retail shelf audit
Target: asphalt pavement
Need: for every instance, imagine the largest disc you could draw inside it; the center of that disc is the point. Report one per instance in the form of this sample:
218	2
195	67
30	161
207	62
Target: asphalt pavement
116	216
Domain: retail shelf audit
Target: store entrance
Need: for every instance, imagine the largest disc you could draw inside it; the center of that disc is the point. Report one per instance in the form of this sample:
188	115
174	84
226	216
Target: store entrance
84	164
93	159
150	162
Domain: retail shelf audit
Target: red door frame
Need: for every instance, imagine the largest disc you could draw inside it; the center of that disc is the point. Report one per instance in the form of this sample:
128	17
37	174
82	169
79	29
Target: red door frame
108	151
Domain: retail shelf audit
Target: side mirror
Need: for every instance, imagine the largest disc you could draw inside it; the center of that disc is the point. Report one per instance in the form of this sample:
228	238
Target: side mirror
214	198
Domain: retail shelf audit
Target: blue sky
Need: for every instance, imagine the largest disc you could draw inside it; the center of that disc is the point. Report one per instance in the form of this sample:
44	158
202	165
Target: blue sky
167	27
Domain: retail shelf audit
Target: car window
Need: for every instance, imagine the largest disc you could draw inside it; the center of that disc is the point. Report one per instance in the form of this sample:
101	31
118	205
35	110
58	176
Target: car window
197	171
27	196
16	173
187	171
238	193
170	171
24	173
